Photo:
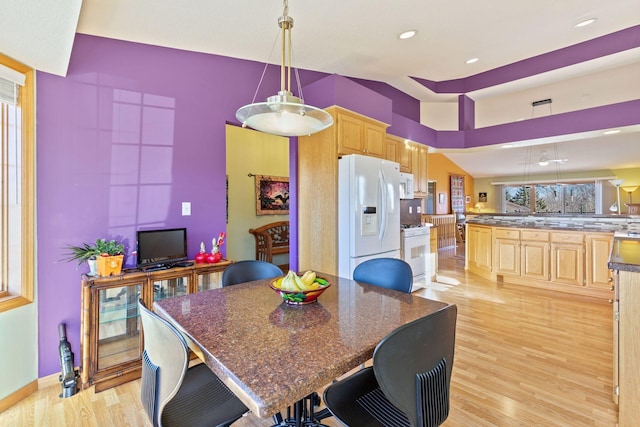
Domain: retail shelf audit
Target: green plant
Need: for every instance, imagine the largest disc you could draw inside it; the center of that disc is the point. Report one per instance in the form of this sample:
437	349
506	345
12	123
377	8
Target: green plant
81	253
86	251
109	247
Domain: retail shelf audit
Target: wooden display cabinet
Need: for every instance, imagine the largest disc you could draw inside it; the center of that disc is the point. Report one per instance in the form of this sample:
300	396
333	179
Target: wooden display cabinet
110	331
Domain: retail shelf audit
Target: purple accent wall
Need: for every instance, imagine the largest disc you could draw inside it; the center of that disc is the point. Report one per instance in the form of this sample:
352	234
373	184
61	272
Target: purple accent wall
591	119
293	202
466	113
131	132
402	103
619	41
414	131
338	90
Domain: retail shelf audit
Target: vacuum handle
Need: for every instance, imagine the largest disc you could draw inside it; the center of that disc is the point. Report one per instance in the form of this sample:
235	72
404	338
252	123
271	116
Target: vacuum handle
62	332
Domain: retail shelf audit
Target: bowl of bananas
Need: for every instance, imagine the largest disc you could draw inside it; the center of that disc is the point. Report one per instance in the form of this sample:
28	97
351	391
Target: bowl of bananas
299	290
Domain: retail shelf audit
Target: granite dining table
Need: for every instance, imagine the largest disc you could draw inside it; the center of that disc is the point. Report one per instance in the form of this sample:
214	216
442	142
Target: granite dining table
272	355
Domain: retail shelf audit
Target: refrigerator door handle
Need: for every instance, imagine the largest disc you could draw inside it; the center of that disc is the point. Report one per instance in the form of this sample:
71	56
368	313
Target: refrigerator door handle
382	182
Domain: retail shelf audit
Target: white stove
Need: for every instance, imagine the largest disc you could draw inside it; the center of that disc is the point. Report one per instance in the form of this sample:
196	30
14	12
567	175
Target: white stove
414	248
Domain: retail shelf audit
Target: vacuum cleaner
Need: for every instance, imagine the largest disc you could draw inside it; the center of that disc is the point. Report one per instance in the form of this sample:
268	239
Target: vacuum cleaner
68	374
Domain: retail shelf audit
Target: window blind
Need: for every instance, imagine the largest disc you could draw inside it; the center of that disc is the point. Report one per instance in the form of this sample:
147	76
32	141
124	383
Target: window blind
9	81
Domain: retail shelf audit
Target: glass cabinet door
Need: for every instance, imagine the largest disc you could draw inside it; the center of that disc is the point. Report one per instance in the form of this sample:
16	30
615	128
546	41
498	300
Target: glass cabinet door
118	325
211	280
170	287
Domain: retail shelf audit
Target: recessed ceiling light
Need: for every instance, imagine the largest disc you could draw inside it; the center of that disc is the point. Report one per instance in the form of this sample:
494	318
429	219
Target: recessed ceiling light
407	34
471	60
585	22
612	132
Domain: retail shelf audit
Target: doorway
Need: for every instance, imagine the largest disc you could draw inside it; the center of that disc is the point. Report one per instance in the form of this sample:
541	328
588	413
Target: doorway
250	153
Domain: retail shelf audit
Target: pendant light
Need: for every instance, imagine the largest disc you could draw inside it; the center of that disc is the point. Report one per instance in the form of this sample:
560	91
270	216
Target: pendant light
284	114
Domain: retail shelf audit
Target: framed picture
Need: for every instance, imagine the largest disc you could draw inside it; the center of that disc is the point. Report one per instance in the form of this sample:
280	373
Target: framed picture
441	198
482	197
272	195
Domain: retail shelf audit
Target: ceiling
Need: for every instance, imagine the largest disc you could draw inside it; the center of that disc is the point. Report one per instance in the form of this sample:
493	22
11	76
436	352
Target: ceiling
358	38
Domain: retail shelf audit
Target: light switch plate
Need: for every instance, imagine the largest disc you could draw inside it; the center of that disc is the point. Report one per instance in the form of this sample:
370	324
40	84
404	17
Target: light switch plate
186	208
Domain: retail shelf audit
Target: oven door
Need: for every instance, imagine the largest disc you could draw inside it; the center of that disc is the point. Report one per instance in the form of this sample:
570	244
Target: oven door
415	251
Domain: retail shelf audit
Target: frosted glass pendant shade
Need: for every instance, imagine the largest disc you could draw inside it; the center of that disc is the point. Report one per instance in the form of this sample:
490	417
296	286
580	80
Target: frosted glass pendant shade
285	115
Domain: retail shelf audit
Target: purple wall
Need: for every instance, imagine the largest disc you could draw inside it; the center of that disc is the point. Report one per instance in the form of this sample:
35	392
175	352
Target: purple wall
129	134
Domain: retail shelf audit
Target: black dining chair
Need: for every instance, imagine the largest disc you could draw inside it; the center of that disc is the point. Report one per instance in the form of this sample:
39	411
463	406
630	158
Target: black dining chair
174	394
408	384
391	273
248	270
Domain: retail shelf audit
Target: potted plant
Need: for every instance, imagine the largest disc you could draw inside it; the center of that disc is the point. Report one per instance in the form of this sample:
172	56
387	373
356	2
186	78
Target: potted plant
82	253
111	254
107	255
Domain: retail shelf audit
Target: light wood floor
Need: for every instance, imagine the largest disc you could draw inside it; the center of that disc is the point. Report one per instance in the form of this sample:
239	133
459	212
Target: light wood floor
524	357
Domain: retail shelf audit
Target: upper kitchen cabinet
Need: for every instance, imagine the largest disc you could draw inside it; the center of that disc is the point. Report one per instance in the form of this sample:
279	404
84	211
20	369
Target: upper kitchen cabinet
391	149
402	153
359	134
419	170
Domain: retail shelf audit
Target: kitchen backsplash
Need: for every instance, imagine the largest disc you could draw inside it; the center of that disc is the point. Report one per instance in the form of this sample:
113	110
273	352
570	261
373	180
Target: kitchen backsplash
410	211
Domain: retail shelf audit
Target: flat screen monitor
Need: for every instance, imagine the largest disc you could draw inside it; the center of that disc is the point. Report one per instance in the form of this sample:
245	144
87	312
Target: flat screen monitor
161	247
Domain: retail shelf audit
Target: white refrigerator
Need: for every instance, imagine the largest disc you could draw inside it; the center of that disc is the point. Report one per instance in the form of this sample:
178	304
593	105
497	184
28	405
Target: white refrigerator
368	211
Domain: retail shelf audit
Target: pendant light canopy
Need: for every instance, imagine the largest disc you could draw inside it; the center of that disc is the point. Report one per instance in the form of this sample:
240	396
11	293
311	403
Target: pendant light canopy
284	114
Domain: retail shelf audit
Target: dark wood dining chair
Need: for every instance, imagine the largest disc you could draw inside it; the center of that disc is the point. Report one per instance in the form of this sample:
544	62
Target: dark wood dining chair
248	270
408	384
391	273
174	394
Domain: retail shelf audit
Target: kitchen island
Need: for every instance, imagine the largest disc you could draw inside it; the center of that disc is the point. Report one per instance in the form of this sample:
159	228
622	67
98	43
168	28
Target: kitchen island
567	253
625	262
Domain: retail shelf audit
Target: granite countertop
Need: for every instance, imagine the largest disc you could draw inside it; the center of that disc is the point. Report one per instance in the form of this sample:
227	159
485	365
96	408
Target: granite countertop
625	254
585	223
271	354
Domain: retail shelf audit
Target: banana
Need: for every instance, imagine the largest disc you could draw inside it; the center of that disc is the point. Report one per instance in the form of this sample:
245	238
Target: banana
308	277
289	282
278	283
299	283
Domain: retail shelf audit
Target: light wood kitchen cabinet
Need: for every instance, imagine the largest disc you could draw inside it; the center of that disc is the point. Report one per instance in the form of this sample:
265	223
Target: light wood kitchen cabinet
422	175
391	150
359	135
567	258
506	246
521	253
478	250
627	361
402	153
598	247
405	154
419	170
568	261
534	254
110	333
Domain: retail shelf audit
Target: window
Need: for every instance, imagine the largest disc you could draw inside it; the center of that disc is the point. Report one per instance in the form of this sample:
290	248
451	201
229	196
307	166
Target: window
565	198
17	188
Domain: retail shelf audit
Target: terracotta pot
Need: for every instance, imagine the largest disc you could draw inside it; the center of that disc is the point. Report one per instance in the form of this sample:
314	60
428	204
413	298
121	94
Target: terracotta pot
110	265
